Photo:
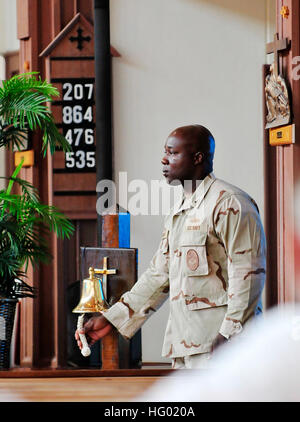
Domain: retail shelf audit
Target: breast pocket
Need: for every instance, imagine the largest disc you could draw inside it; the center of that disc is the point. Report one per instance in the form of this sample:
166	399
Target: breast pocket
193	249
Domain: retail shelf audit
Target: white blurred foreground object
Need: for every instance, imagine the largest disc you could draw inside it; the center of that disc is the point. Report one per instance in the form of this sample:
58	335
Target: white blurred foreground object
263	365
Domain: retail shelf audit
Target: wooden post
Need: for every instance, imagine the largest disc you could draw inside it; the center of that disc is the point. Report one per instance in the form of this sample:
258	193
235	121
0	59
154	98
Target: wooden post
103	97
57	40
286	166
110	239
270	177
108	224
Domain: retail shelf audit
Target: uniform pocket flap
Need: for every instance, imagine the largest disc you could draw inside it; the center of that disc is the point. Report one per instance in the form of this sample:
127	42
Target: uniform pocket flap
193	238
203	302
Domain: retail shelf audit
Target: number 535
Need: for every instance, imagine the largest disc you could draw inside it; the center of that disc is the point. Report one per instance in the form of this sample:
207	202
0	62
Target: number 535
80	159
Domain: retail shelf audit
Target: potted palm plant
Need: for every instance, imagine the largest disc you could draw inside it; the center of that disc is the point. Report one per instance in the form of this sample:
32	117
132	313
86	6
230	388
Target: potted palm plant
25	222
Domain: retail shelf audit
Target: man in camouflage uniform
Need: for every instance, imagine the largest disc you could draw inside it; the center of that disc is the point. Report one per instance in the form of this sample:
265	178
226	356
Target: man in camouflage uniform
210	261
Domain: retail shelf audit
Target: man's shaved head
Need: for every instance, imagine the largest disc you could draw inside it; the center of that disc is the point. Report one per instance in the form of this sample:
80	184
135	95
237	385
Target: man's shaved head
189	153
200	139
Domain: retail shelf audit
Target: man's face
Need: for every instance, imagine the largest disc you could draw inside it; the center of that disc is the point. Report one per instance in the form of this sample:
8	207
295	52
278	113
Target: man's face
178	160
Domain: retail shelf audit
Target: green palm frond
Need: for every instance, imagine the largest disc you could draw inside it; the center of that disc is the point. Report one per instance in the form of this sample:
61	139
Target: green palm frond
23	106
26	109
29	192
55	220
28	82
24	234
15	287
26	223
52	138
13	137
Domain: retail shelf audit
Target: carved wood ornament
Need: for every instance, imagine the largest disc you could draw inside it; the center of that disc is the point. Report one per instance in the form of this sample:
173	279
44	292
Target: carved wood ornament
276	92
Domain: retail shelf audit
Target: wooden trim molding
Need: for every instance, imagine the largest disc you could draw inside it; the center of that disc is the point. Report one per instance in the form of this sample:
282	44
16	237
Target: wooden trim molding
76	373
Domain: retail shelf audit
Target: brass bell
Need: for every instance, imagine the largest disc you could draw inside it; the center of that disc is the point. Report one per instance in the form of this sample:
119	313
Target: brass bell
92	297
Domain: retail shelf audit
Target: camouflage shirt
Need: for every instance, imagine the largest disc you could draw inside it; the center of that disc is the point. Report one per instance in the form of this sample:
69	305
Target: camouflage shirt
210	263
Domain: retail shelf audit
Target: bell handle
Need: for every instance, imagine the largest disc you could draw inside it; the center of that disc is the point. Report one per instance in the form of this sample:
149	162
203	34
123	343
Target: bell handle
85	351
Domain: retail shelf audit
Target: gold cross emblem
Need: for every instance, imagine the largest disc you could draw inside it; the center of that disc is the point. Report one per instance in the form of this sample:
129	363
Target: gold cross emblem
105	271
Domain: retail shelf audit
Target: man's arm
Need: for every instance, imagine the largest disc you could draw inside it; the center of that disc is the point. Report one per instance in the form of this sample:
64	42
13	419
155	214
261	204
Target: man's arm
146	296
135	306
238	225
94	329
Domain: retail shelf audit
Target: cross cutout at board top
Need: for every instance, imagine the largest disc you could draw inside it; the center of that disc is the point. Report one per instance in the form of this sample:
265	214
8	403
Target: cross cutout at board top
80	39
275	47
105	271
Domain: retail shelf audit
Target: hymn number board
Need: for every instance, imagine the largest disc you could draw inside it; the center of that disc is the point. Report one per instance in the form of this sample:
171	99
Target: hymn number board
70	67
78	123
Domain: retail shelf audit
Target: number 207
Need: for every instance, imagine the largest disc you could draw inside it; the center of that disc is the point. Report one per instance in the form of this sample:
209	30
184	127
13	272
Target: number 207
77	91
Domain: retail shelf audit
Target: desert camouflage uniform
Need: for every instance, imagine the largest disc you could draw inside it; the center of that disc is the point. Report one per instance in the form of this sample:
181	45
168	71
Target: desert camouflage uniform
210	262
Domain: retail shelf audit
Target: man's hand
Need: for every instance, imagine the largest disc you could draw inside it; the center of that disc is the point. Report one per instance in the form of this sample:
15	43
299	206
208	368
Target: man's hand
218	341
94	329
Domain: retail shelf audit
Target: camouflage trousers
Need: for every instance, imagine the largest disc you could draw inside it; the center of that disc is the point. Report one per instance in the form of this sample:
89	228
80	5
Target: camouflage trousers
199	361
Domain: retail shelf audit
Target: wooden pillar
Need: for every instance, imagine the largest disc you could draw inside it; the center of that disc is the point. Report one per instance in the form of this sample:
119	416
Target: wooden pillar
29	309
57	40
288	162
103	97
110	239
270	188
42	319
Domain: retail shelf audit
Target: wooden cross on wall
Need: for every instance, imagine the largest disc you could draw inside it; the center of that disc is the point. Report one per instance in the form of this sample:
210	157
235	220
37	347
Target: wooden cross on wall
105	271
275	47
80	39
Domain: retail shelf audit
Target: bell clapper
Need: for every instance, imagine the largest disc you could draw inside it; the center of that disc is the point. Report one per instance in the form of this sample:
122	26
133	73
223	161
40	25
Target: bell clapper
85	351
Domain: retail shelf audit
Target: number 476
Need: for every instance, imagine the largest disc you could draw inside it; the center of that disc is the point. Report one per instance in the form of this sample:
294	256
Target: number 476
73	136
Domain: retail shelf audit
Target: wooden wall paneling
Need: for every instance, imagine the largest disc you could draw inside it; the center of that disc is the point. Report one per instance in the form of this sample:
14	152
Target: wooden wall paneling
59	305
295	51
70	250
87	236
12	68
45	25
42	321
280	191
74	182
55	17
22	19
280	224
110	239
72	192
11	63
287	159
71	7
67	71
285	200
45	323
29	309
86	8
67	12
270	177
44	316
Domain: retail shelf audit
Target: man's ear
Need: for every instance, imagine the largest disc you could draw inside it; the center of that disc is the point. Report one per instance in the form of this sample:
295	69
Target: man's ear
198	157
